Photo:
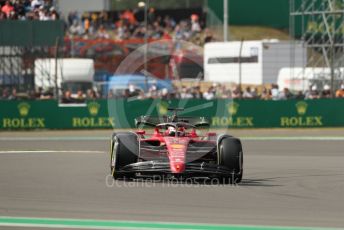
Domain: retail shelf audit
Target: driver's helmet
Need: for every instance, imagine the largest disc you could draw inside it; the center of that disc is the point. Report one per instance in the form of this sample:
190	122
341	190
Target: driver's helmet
171	131
181	131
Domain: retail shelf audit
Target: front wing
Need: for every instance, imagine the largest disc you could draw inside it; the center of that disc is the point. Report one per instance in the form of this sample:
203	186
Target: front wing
192	169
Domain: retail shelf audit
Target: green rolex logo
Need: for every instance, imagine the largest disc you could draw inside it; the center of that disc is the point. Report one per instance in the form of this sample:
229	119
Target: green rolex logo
24	109
93	108
233	108
301	107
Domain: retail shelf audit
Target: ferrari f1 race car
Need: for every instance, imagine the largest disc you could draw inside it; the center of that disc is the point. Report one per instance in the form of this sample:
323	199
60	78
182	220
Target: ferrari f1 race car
176	149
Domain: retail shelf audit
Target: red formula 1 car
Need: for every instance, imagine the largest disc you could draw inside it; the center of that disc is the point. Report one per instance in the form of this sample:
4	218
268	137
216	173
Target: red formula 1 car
176	149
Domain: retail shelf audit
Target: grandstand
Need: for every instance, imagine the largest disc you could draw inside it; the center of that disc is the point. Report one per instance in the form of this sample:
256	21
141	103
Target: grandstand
109	32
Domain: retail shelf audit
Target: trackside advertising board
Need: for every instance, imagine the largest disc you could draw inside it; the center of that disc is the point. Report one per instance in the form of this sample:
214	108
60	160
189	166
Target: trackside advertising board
98	114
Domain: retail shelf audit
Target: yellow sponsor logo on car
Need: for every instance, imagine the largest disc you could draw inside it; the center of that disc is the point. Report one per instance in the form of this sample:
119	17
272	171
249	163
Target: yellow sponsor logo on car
177	146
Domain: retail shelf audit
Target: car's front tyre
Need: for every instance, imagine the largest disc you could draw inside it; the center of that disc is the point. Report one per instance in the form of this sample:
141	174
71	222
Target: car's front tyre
231	156
124	151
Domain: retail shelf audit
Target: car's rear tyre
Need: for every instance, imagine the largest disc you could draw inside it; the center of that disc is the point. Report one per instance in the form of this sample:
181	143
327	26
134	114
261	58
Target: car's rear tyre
231	156
124	151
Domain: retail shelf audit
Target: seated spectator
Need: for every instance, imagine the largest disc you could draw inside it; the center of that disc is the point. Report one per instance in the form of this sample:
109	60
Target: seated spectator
76	29
313	93
169	23
36	3
209	95
340	92
299	95
102	33
5	94
254	93
185	93
285	94
73	16
32	15
158	31
164	94
3	16
67	97
13	96
53	14
91	94
178	35
7	9
275	94
196	92
247	93
134	91
20	9
326	93
140	32
152	92
43	14
237	93
266	94
48	94
80	97
121	31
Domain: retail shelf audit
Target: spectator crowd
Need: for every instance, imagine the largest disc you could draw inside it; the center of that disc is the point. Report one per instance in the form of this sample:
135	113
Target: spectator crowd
43	10
215	91
127	26
100	26
218	91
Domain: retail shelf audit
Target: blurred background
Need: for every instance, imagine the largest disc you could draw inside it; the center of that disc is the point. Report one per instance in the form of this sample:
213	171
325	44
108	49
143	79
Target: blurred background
71	50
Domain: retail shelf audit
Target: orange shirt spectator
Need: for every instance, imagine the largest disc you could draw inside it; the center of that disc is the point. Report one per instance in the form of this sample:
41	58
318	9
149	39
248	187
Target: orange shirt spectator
87	25
340	92
7	8
129	16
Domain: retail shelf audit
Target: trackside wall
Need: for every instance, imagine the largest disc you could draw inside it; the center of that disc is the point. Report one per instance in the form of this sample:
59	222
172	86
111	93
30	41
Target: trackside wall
118	113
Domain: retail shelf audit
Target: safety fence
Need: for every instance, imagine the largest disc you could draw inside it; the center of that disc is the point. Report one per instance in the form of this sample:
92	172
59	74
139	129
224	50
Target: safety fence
120	113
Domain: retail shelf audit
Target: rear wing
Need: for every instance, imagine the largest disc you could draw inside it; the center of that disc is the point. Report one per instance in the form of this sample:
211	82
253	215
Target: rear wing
149	121
197	122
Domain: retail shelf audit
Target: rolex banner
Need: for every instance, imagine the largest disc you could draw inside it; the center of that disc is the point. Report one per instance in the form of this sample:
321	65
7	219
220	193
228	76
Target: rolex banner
120	113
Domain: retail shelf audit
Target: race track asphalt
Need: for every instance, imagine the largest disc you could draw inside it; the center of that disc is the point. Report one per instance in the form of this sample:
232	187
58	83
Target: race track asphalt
292	178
